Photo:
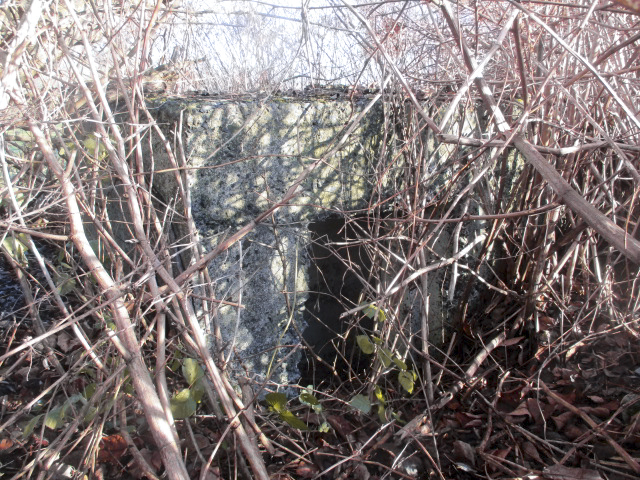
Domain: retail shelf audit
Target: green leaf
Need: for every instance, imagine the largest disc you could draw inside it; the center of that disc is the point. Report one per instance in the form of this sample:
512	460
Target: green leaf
371	311
191	371
277	400
75	398
128	388
401	365
385	356
292	420
380	396
28	428
398	418
183	405
97	248
406	380
360	402
381	414
198	391
55	417
377	340
324	428
66	285
89	390
175	365
93	143
91	414
90	143
365	344
16	245
89	372
308	399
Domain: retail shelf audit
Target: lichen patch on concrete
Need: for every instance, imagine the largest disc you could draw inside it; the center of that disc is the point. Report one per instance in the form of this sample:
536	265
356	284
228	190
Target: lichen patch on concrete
243	156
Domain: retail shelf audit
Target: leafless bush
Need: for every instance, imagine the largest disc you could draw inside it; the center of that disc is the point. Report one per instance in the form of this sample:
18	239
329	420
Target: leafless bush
78	129
552	86
558	259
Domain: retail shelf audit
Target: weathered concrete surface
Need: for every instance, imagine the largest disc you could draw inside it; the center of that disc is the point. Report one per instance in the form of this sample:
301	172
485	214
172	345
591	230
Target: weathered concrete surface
244	155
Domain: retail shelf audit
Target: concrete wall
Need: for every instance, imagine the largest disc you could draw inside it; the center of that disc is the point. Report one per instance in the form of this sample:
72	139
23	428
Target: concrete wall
245	154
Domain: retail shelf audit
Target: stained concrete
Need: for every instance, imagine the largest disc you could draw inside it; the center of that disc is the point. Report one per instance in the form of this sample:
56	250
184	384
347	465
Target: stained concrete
243	155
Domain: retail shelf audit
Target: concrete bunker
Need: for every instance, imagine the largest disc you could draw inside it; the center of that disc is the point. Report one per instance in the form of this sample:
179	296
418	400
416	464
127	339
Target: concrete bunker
243	154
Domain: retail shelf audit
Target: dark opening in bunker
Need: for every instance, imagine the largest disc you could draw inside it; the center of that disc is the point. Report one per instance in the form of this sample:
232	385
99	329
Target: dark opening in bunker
339	267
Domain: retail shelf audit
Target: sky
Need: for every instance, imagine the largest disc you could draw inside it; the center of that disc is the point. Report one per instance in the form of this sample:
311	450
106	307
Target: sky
249	45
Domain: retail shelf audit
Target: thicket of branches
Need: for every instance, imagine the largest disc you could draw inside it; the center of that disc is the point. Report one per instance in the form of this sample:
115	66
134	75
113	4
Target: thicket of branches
110	332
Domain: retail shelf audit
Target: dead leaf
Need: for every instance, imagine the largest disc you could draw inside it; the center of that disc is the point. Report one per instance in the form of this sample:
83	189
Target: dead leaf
468	420
202	441
562	419
112	448
511	341
535	410
464	452
419	425
40	441
280	476
521	410
214	474
573	349
531	451
454	405
568	397
573	432
66	342
305	469
566	374
156	460
540	411
211	476
136	470
620	339
447	423
340	425
5	444
311	418
360	472
517	419
541	352
632	430
560	472
501	454
600	412
546	322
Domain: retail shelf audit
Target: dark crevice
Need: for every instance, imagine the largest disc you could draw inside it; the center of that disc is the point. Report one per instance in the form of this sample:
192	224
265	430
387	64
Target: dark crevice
338	263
